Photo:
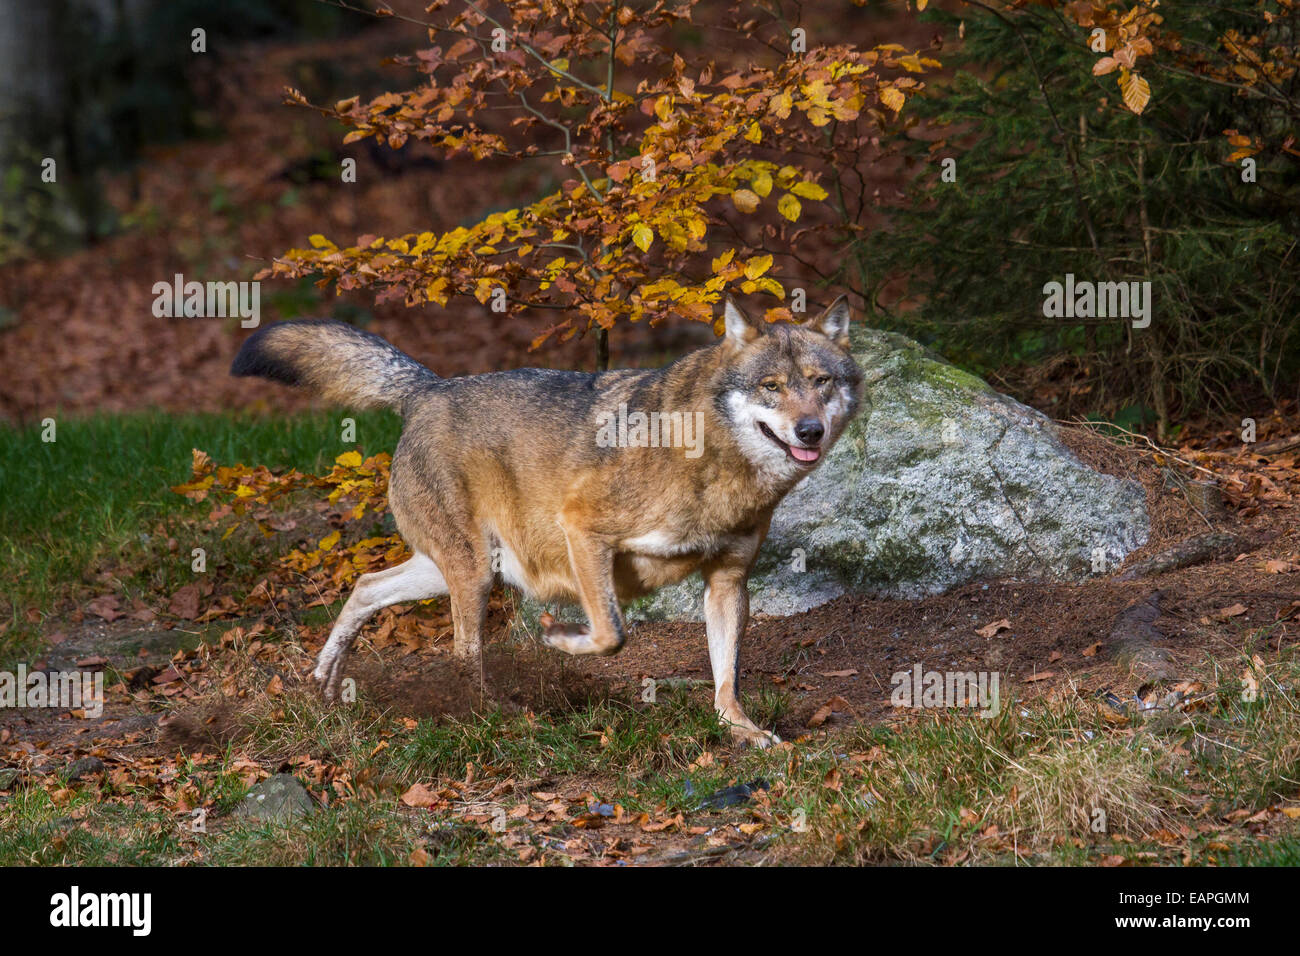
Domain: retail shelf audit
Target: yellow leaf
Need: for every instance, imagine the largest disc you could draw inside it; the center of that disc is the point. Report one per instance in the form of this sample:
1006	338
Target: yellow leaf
756	266
762	183
818	116
724	260
920	5
436	293
1137	92
197	488
817	92
745	200
754	134
808	190
789	207
327	542
349	459
892	98
663	107
642	236
319	241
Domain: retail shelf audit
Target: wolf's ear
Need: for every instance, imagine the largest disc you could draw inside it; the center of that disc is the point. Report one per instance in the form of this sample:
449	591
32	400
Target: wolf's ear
834	322
739	329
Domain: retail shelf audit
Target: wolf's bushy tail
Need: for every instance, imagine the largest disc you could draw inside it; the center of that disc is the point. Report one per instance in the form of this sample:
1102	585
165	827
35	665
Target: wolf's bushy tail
340	363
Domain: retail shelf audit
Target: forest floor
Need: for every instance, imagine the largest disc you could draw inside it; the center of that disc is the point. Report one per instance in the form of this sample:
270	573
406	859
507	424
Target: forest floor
1183	740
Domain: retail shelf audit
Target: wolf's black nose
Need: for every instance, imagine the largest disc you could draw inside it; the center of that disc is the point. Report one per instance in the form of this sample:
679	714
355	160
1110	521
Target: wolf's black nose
809	431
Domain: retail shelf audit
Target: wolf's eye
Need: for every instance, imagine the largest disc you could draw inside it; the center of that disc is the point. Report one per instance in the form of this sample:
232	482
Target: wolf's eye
821	380
772	386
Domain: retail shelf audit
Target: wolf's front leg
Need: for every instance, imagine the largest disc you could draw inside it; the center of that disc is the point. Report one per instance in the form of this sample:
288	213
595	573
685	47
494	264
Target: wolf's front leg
592	560
726	613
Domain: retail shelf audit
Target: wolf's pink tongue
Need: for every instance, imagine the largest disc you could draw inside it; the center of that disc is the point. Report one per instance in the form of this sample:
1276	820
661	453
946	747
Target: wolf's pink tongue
805	454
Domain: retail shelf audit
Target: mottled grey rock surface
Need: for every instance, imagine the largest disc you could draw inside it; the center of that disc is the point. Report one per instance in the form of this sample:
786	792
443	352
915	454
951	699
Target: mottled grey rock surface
939	481
278	798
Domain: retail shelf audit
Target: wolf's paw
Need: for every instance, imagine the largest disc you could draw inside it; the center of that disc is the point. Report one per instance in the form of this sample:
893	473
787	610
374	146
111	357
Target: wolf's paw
745	733
329	675
574	638
753	737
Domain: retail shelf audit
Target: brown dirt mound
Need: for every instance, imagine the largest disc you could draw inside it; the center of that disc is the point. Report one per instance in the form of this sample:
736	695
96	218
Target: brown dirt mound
512	678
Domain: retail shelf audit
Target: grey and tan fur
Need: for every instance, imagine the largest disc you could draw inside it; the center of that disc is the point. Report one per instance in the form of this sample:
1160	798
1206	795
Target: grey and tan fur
510	460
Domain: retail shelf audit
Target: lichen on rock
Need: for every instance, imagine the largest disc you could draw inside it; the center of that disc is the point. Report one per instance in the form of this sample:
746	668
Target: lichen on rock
939	481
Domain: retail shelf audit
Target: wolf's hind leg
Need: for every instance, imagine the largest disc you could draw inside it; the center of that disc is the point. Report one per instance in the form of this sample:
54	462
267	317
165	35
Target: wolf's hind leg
414	580
469	605
592	562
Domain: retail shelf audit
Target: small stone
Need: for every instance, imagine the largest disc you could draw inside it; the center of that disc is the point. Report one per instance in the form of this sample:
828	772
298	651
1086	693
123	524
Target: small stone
276	799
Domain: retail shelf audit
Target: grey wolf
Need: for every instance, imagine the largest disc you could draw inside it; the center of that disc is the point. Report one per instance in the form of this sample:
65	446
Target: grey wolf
509	464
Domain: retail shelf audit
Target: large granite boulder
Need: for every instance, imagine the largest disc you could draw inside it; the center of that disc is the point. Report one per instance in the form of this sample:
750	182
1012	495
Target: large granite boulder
938	482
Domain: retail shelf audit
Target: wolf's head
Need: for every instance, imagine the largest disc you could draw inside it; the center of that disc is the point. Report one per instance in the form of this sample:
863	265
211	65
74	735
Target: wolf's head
786	390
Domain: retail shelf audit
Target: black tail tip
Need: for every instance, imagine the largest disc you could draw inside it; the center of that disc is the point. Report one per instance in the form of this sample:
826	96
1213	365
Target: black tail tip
256	358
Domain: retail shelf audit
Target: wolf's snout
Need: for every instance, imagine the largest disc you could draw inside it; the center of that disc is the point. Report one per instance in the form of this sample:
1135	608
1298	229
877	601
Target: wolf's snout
809	431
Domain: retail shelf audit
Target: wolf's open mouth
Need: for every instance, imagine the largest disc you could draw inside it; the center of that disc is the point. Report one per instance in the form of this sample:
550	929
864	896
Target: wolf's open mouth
805	456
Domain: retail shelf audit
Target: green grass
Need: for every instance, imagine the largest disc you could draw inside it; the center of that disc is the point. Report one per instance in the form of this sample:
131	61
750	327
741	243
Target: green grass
609	738
348	834
88	832
94	498
931	790
37	833
1284	851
